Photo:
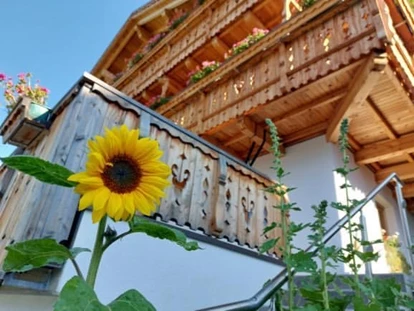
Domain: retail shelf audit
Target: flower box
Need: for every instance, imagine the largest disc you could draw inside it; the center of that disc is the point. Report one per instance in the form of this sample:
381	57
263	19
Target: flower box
25	123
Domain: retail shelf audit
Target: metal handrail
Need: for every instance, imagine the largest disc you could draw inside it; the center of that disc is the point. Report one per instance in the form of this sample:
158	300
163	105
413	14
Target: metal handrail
277	282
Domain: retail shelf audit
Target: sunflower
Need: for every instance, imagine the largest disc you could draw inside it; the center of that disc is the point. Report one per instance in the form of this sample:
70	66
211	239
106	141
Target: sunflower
123	175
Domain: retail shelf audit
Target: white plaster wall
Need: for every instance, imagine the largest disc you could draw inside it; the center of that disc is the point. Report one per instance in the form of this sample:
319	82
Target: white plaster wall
311	165
170	277
13	302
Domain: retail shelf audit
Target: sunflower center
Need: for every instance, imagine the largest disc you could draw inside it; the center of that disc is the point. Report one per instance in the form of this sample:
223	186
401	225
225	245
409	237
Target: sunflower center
123	176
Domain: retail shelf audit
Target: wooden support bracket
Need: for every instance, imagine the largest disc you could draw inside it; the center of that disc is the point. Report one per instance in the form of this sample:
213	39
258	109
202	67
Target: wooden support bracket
358	90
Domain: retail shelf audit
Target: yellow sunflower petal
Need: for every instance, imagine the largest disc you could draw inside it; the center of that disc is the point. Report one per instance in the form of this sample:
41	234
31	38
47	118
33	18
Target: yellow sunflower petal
155	181
114	204
101	198
96	163
78	176
128	200
97	215
151	190
156	168
92	181
143	205
126	216
131	141
102	146
86	200
119	214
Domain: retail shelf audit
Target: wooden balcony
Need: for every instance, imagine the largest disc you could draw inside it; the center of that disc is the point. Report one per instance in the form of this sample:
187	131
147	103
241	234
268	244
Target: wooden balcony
211	192
335	59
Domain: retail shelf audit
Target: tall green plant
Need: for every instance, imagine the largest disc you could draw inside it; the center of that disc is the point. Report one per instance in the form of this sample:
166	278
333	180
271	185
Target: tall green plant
296	260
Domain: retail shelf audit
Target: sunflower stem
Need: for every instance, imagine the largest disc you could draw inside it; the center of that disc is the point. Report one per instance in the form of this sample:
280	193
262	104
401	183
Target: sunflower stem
96	254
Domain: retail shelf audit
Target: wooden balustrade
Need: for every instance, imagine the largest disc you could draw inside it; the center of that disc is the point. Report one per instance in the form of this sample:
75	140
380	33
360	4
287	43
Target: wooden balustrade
193	33
210	191
289	63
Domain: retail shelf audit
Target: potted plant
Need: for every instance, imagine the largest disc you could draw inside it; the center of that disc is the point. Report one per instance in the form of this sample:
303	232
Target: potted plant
206	68
28	116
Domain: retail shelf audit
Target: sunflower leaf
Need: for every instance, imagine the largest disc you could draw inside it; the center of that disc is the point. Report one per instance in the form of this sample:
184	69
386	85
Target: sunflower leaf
77	295
28	255
40	169
131	300
152	229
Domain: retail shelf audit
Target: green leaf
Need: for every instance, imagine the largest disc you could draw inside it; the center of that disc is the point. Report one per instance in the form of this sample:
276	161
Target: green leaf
302	261
33	254
152	229
40	169
76	295
131	300
77	250
272	226
268	245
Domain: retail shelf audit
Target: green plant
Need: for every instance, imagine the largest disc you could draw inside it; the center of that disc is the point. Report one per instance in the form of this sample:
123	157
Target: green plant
200	73
119	196
178	17
135	58
244	44
321	292
23	87
296	260
158	101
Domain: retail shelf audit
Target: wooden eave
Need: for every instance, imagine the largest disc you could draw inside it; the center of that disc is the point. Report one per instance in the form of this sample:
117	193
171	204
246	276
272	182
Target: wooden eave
149	11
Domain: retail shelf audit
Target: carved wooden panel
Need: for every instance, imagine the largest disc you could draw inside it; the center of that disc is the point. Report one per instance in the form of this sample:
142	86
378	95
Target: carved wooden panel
210	191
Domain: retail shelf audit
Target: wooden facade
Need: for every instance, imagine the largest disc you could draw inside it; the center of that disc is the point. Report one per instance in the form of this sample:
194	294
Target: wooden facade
211	191
316	66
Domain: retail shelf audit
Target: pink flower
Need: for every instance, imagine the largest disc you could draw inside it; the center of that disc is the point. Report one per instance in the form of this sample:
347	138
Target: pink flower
43	89
21	76
2	77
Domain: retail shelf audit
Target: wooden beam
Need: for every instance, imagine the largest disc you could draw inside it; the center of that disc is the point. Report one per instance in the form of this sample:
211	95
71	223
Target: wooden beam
381	151
304	134
171	85
408	190
191	64
314	104
404	171
220	46
221	145
252	20
358	90
254	131
385	124
142	33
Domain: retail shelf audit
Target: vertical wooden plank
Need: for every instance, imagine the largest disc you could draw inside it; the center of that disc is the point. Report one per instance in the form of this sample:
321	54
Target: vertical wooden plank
231	205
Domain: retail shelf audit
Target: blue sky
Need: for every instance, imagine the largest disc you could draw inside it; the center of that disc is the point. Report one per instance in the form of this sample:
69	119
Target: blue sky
57	40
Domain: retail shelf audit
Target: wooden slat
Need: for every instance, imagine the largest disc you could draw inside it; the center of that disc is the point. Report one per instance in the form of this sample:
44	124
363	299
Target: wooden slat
359	89
306	133
385	150
314	104
404	171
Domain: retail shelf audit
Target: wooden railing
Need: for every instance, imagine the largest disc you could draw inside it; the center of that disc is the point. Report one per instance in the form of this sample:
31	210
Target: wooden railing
199	28
210	191
321	47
